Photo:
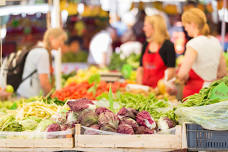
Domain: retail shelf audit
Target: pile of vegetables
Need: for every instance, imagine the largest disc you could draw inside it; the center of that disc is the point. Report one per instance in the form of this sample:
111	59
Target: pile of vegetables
80	56
82	75
157	108
86	90
29	116
209	106
204	97
126	121
117	61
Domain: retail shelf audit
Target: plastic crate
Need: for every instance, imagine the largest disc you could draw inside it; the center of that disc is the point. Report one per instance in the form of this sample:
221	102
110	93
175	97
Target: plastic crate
203	139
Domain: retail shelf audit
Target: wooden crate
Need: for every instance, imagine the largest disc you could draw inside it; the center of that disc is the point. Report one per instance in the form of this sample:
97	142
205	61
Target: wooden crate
31	143
156	141
18	142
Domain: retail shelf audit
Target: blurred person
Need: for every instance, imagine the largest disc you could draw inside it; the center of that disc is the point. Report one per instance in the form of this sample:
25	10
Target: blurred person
203	61
100	48
138	26
120	26
158	54
38	65
73	51
130	45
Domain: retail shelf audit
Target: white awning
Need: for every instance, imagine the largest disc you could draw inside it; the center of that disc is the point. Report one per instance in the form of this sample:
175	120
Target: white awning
27	9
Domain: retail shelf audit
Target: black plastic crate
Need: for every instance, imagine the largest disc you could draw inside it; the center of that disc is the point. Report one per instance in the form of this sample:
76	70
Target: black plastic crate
203	139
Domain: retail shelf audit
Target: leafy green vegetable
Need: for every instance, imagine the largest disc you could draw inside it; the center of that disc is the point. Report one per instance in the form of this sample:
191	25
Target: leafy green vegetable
8	123
96	78
44	124
140	103
49	100
14	106
203	97
117	63
29	124
110	97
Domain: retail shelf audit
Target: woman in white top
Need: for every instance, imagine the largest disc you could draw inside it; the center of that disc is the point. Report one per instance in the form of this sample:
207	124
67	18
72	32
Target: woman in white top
39	62
203	60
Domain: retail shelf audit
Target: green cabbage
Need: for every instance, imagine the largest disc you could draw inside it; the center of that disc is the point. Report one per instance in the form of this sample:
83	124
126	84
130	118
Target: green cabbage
44	124
30	123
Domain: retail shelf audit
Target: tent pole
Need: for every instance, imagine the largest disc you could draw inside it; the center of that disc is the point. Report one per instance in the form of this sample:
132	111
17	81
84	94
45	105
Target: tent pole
223	25
58	63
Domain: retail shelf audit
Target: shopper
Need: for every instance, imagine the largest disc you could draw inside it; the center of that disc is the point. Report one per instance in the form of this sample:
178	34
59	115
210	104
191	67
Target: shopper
100	48
203	61
158	53
39	64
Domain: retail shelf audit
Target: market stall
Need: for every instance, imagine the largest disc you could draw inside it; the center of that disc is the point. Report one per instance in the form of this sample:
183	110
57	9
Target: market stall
94	108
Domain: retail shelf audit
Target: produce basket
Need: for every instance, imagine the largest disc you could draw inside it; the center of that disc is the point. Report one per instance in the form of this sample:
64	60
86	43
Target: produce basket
199	138
143	141
36	139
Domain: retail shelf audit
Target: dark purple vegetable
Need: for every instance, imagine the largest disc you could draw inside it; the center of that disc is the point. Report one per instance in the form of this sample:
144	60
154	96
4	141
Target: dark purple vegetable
108	127
125	129
165	123
100	110
53	127
80	104
127	112
144	130
87	118
108	118
143	118
130	122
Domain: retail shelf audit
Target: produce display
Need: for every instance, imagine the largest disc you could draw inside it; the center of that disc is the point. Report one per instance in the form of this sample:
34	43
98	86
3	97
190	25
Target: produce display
86	90
126	121
118	61
156	108
216	92
82	75
209	106
29	116
80	56
110	108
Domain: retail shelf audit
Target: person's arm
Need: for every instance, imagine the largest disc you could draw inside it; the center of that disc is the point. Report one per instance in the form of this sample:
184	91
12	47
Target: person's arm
222	67
139	72
105	58
45	83
168	55
43	70
189	58
171	72
139	75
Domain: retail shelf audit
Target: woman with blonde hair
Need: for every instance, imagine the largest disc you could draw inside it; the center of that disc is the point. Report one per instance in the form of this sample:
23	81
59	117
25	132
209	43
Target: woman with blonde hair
203	60
158	54
38	64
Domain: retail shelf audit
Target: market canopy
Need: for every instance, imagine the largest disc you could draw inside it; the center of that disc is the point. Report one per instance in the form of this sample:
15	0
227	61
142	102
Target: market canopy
20	9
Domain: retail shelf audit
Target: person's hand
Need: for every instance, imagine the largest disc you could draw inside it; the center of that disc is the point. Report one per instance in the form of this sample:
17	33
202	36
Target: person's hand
139	75
4	95
171	90
171	87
